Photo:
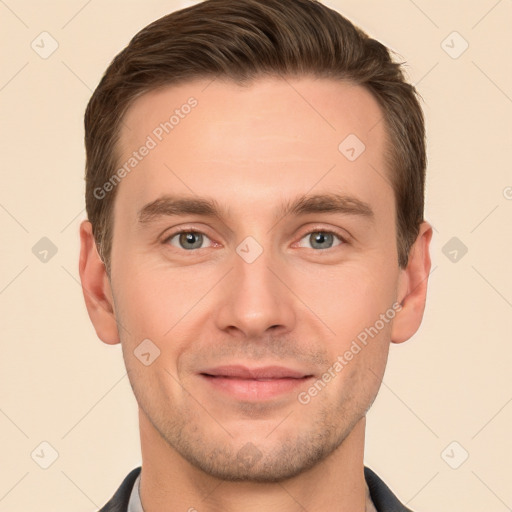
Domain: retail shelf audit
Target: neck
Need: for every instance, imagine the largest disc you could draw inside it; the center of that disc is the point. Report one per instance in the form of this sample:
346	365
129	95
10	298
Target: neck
169	482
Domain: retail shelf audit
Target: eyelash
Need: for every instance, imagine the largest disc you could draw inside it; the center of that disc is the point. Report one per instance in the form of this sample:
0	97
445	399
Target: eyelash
341	238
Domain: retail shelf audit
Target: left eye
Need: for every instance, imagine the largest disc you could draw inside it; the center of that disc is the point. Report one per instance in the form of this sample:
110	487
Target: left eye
321	239
187	240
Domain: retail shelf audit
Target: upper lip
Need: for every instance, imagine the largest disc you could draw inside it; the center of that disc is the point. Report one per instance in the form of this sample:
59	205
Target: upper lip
264	372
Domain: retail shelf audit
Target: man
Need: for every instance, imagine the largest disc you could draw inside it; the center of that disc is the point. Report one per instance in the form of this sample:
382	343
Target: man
254	189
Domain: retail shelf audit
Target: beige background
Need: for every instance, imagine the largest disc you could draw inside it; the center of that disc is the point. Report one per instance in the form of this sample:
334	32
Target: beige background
452	382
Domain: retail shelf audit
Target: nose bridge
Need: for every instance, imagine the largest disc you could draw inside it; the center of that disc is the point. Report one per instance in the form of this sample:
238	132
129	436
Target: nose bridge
255	299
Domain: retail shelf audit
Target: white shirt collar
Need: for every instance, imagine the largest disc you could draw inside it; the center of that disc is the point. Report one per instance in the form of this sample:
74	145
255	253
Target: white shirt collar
135	505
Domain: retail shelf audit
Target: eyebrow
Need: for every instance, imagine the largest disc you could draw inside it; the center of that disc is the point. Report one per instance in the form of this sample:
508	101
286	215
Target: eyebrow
318	203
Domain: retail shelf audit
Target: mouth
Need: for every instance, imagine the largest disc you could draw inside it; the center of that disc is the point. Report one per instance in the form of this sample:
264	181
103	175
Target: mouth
254	384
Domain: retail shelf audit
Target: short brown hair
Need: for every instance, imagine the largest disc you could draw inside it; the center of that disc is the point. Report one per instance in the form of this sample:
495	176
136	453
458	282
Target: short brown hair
242	40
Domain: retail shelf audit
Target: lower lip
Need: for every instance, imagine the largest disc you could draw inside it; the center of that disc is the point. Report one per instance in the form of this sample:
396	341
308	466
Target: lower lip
251	389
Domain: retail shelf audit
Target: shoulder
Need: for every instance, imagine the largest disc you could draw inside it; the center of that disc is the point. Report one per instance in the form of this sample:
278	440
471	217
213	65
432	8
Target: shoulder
119	501
381	494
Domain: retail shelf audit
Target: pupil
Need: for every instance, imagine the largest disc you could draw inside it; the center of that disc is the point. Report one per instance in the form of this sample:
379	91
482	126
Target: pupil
320	238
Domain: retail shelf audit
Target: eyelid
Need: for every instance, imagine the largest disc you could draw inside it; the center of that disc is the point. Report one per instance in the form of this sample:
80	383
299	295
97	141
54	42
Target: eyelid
324	228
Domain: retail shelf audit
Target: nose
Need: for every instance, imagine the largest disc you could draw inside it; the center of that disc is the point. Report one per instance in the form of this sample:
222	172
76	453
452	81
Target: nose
255	299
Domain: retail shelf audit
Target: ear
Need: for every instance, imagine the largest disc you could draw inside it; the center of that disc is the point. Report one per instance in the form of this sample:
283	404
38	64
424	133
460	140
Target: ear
412	287
96	287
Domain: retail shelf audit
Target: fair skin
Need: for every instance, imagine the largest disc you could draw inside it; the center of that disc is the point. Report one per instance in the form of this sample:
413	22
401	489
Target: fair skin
299	305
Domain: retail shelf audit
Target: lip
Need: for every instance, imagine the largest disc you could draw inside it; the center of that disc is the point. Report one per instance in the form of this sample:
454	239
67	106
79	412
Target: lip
254	384
264	372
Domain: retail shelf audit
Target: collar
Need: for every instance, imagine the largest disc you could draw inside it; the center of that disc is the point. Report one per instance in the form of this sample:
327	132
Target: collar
135	504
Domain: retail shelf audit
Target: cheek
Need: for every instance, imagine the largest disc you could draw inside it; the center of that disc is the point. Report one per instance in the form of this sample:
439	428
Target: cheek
159	302
348	298
142	308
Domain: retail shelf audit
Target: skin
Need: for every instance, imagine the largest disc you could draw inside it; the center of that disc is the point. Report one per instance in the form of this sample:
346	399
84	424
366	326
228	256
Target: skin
297	305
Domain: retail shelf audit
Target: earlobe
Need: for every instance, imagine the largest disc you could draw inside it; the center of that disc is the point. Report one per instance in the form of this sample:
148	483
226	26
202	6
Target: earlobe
412	289
96	287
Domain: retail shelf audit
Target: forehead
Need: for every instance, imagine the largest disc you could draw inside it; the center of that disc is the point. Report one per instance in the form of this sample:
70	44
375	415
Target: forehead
273	136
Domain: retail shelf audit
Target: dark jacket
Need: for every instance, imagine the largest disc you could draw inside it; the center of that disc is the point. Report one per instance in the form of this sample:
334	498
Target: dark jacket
383	499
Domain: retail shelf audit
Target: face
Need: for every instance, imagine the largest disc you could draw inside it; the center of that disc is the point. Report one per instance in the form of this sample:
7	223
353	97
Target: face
254	254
